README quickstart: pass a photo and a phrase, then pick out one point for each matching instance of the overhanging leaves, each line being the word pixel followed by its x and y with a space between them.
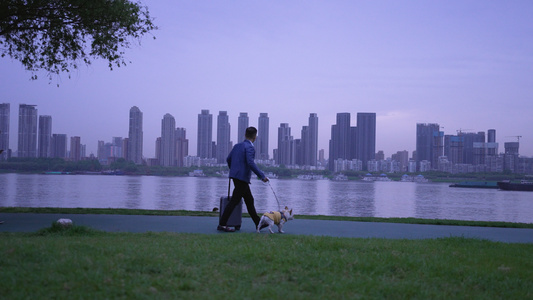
pixel 58 35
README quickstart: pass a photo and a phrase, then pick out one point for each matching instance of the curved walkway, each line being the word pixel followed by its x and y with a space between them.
pixel 29 222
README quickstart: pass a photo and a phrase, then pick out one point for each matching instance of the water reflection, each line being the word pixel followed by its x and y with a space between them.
pixel 165 194
pixel 206 195
pixel 352 199
pixel 427 201
pixel 320 197
pixel 25 191
pixel 133 188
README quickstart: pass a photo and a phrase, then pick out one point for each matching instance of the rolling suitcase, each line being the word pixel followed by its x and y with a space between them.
pixel 235 219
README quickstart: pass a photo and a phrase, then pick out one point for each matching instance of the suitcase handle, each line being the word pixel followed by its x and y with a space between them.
pixel 229 185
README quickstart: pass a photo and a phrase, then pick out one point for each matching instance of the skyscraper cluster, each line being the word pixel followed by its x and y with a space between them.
pixel 35 137
pixel 465 152
pixel 350 147
pixel 302 151
pixel 219 150
pixel 349 143
pixel 173 145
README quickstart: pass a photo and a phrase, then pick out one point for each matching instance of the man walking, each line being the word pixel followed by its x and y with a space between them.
pixel 241 164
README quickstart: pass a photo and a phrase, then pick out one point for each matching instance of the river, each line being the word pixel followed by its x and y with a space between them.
pixel 309 197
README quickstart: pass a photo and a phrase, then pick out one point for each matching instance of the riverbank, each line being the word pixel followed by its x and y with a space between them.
pixel 145 212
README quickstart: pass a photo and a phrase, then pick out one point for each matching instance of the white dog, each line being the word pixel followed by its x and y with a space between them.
pixel 275 217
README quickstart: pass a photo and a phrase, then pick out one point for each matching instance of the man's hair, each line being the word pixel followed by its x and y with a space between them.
pixel 251 132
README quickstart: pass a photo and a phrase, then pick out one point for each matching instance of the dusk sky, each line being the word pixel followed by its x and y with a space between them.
pixel 466 65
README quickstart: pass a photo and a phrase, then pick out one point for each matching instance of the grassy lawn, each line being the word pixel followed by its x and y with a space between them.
pixel 79 262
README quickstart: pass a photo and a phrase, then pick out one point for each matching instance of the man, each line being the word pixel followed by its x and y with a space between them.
pixel 241 164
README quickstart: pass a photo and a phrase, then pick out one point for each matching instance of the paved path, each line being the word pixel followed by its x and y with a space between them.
pixel 29 222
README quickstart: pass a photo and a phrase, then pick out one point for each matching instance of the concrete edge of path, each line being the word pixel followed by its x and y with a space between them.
pixel 30 222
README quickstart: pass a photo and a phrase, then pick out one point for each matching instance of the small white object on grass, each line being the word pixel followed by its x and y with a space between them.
pixel 65 222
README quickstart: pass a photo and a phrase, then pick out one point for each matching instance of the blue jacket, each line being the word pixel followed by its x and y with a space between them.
pixel 241 162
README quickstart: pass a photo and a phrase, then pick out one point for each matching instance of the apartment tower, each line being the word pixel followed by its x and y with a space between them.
pixel 311 144
pixel 223 137
pixel 366 138
pixel 27 133
pixel 429 144
pixel 45 136
pixel 261 143
pixel 4 130
pixel 135 136
pixel 167 156
pixel 205 135
pixel 243 122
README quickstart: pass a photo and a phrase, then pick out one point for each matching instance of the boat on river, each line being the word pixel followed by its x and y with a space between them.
pixel 523 185
pixel 371 178
pixel 417 178
pixel 476 184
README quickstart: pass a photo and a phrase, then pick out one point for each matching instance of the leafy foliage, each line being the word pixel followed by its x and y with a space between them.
pixel 58 35
pixel 24 164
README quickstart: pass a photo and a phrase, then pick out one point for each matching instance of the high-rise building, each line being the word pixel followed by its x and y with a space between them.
pixel 205 135
pixel 402 157
pixel 158 149
pixel 223 137
pixel 470 139
pixel 366 138
pixel 285 143
pixel 321 156
pixel 100 152
pixel 59 145
pixel 168 141
pixel 4 130
pixel 45 136
pixel 429 144
pixel 117 144
pixel 312 142
pixel 511 156
pixel 453 148
pixel 125 147
pixel 492 146
pixel 75 148
pixel 339 144
pixel 261 143
pixel 182 146
pixel 27 133
pixel 135 136
pixel 301 148
pixel 242 125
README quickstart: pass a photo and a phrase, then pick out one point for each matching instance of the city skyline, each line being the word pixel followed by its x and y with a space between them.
pixel 465 65
pixel 171 131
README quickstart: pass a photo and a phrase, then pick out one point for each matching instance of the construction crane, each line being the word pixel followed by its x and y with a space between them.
pixel 516 136
pixel 460 130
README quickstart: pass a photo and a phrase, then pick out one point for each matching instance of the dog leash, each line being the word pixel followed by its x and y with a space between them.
pixel 279 206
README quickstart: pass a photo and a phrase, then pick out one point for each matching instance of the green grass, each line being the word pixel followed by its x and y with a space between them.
pixel 78 262
pixel 123 211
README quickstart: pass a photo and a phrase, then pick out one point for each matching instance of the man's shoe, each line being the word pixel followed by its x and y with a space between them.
pixel 225 228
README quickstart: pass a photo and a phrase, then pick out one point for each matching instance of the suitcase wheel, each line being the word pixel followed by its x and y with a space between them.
pixel 238 227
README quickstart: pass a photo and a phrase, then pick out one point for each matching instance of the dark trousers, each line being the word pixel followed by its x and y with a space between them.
pixel 241 190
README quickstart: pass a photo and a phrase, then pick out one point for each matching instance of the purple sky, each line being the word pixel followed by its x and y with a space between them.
pixel 463 64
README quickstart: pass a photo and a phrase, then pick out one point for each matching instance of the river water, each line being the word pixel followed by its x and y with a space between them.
pixel 309 197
